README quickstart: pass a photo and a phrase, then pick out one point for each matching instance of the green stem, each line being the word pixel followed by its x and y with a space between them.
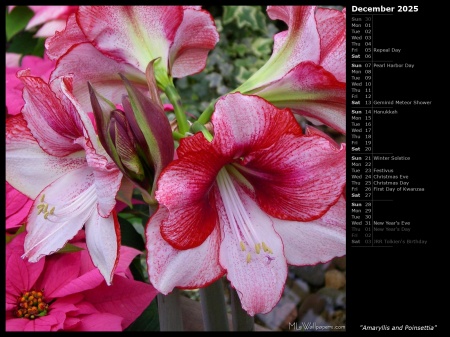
pixel 212 299
pixel 197 127
pixel 169 311
pixel 206 115
pixel 177 135
pixel 175 99
pixel 241 320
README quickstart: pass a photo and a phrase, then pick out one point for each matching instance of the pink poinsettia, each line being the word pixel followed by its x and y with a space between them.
pixel 54 158
pixel 259 196
pixel 306 71
pixel 17 207
pixel 41 67
pixel 52 18
pixel 101 41
pixel 65 292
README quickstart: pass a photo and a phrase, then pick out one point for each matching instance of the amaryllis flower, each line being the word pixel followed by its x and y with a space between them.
pixel 53 157
pixel 306 71
pixel 52 18
pixel 101 41
pixel 65 292
pixel 259 196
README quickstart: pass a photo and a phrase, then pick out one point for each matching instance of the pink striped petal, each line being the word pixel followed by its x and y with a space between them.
pixel 88 64
pixel 146 32
pixel 259 282
pixel 331 25
pixel 192 214
pixel 300 43
pixel 50 28
pixel 298 178
pixel 73 200
pixel 169 268
pixel 311 91
pixel 44 14
pixel 103 242
pixel 29 169
pixel 58 44
pixel 243 124
pixel 195 37
pixel 54 126
pixel 318 241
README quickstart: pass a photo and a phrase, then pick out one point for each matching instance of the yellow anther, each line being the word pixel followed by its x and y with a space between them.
pixel 270 251
pixel 265 248
pixel 46 215
pixel 40 210
pixel 42 198
pixel 52 210
pixel 40 206
pixel 45 208
pixel 242 245
pixel 258 248
pixel 249 257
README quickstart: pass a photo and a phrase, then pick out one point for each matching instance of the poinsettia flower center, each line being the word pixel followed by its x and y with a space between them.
pixel 31 305
pixel 250 242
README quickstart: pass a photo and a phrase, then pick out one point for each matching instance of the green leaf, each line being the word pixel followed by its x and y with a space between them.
pixel 69 248
pixel 129 236
pixel 24 43
pixel 148 320
pixel 245 16
pixel 17 20
pixel 9 237
pixel 262 46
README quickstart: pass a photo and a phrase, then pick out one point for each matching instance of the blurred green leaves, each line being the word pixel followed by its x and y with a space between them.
pixel 17 39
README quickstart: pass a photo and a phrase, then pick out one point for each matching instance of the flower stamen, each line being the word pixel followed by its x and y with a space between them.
pixel 238 217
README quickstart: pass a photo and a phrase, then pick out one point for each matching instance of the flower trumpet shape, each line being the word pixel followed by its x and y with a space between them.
pixel 259 196
pixel 101 41
pixel 139 138
pixel 54 158
pixel 306 71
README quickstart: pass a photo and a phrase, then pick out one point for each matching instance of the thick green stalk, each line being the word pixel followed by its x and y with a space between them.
pixel 175 100
pixel 169 311
pixel 241 320
pixel 213 307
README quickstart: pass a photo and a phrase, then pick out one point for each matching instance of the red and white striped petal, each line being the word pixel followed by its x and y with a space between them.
pixel 195 37
pixel 243 124
pixel 318 241
pixel 258 278
pixel 298 178
pixel 331 25
pixel 58 44
pixel 169 268
pixel 144 33
pixel 103 242
pixel 302 42
pixel 59 212
pixel 311 91
pixel 53 126
pixel 86 63
pixel 28 168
